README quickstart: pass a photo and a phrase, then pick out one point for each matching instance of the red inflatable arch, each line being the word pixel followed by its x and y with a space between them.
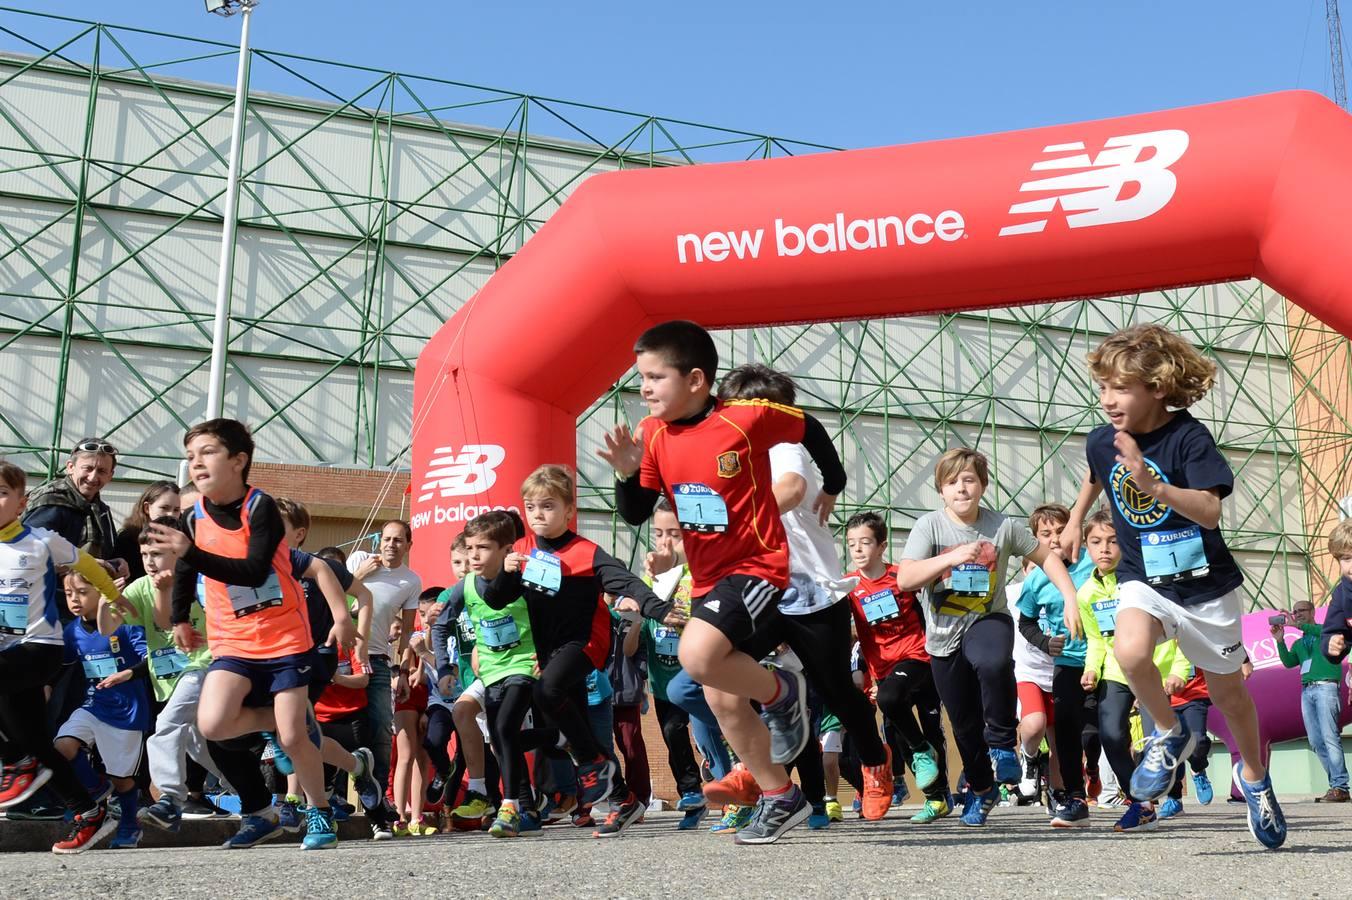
pixel 1253 187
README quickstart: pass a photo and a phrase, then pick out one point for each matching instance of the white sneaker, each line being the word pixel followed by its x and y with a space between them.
pixel 1028 783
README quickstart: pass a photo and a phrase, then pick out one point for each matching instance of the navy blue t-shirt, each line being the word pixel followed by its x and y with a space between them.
pixel 1180 559
pixel 321 619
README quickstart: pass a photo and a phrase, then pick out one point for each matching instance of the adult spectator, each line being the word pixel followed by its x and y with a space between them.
pixel 71 505
pixel 160 498
pixel 1319 703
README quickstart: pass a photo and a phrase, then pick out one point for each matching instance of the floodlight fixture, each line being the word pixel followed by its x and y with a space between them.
pixel 229 7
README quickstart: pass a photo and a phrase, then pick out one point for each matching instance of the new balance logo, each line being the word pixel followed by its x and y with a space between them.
pixel 1127 181
pixel 470 471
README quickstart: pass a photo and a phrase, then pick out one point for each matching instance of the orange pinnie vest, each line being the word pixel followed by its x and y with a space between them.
pixel 253 623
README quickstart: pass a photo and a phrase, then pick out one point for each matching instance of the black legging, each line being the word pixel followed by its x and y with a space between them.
pixel 1115 702
pixel 1194 714
pixel 911 684
pixel 440 727
pixel 1068 710
pixel 1089 738
pixel 811 773
pixel 561 695
pixel 237 759
pixel 507 703
pixel 350 733
pixel 976 685
pixel 675 724
pixel 25 669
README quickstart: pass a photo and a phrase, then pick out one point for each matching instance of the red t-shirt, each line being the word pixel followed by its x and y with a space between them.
pixel 338 702
pixel 1195 689
pixel 716 475
pixel 897 630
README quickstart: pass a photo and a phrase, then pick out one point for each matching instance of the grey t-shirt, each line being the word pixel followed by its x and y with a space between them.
pixel 973 590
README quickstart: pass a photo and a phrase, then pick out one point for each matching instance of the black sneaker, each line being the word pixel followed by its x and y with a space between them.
pixel 436 788
pixel 36 809
pixel 773 817
pixel 595 781
pixel 620 818
pixel 1072 812
pixel 787 718
pixel 202 808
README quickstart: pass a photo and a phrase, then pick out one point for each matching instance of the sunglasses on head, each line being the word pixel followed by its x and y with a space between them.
pixel 92 446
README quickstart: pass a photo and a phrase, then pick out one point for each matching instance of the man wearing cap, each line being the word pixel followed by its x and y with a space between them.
pixel 71 506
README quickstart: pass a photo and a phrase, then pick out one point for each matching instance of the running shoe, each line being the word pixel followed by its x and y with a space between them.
pixel 1266 822
pixel 932 810
pixel 254 830
pixel 422 828
pixel 321 832
pixel 401 829
pixel 818 819
pixel 341 811
pixel 128 836
pixel 899 793
pixel 738 787
pixel 37 808
pixel 925 767
pixel 734 818
pixel 274 752
pixel 979 806
pixel 620 817
pixel 691 800
pixel 469 815
pixel 381 831
pixel 288 813
pixel 1071 812
pixel 1201 786
pixel 1118 799
pixel 1028 782
pixel 596 780
pixel 1094 788
pixel 436 788
pixel 787 719
pixel 368 791
pixel 773 816
pixel 558 809
pixel 1169 808
pixel 507 824
pixel 1136 818
pixel 878 787
pixel 1161 755
pixel 85 831
pixel 1007 768
pixel 856 804
pixel 833 810
pixel 163 813
pixel 692 818
pixel 202 808
pixel 21 781
pixel 582 817
pixel 530 820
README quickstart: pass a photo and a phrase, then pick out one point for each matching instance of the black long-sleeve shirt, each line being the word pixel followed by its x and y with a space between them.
pixel 266 531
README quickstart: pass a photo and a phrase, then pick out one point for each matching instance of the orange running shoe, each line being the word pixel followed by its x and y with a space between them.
pixel 877 788
pixel 738 787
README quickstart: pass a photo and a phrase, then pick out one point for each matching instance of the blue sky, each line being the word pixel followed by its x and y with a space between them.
pixel 842 73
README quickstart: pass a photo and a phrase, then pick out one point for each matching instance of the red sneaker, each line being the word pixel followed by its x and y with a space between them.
pixel 21 781
pixel 85 831
pixel 738 788
pixel 878 784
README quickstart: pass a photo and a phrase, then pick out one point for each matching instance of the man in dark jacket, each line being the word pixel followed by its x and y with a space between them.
pixel 71 506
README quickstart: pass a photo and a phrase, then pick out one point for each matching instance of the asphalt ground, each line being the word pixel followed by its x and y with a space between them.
pixel 1207 852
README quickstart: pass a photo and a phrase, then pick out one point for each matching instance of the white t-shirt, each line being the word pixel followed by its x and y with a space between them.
pixel 392 591
pixel 1030 663
pixel 30 591
pixel 814 558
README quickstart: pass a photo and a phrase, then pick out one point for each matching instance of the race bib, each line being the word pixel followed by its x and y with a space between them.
pixel 880 606
pixel 344 667
pixel 700 508
pixel 167 662
pixel 1173 556
pixel 13 614
pixel 500 633
pixel 1105 616
pixel 666 643
pixel 544 572
pixel 247 600
pixel 100 665
pixel 972 579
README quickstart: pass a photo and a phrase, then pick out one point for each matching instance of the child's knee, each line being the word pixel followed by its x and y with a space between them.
pixel 68 747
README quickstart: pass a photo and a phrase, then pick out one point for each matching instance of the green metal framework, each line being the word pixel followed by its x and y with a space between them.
pixel 362 255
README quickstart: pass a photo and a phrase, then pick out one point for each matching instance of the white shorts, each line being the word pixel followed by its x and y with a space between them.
pixel 476 692
pixel 1209 634
pixel 833 742
pixel 119 747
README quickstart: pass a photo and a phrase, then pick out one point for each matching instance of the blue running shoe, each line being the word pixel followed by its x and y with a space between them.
pixel 899 792
pixel 857 804
pixel 368 791
pixel 163 813
pixel 253 830
pixel 817 819
pixel 1136 818
pixel 320 831
pixel 1007 768
pixel 1266 822
pixel 128 836
pixel 787 720
pixel 530 821
pixel 978 806
pixel 1170 808
pixel 692 819
pixel 288 813
pixel 1202 788
pixel 278 756
pixel 692 800
pixel 340 810
pixel 1161 756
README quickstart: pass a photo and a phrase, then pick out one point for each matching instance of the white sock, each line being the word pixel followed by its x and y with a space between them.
pixel 478 786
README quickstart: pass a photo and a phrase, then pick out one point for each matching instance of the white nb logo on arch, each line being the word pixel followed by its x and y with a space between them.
pixel 1093 196
pixel 470 471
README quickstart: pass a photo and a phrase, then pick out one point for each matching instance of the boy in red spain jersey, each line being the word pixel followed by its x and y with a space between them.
pixel 258 630
pixel 710 459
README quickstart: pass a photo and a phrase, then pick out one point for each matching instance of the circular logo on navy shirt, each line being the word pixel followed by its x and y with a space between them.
pixel 1136 506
